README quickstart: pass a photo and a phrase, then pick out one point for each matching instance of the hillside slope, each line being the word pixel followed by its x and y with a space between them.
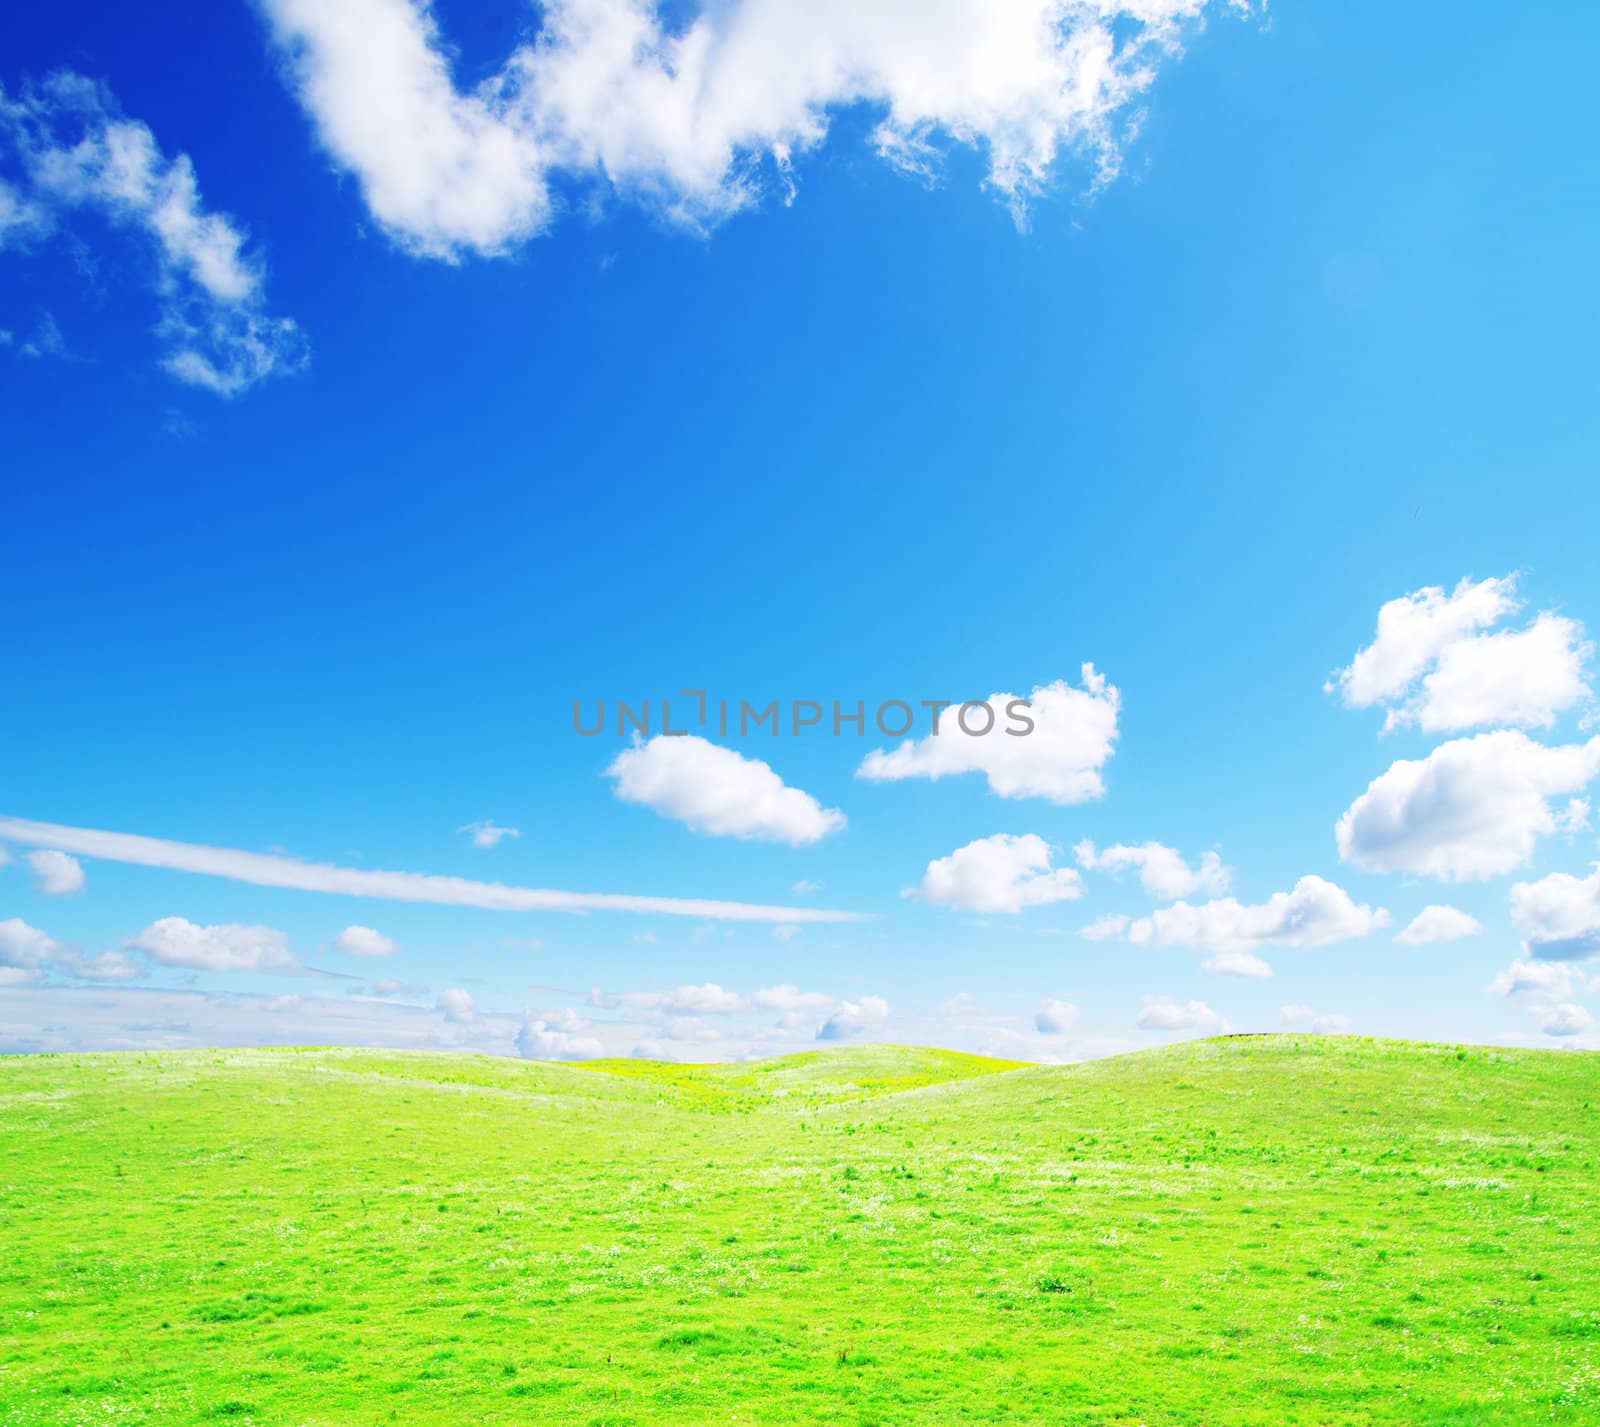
pixel 1280 1230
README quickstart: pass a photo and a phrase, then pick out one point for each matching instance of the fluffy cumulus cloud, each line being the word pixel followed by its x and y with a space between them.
pixel 1163 1013
pixel 457 1004
pixel 56 874
pixel 1437 923
pixel 364 941
pixel 697 112
pixel 854 1018
pixel 1438 663
pixel 1003 873
pixel 24 950
pixel 1473 808
pixel 1055 1018
pixel 1315 913
pixel 717 791
pixel 789 998
pixel 1566 1019
pixel 66 149
pixel 1541 980
pixel 709 999
pixel 558 1038
pixel 1163 872
pixel 1074 731
pixel 175 941
pixel 1558 916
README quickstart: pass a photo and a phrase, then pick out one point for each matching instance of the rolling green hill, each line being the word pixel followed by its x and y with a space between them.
pixel 1272 1230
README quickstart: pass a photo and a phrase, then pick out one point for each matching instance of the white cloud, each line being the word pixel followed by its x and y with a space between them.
pixel 1436 923
pixel 717 791
pixel 1334 1024
pixel 1163 1013
pixel 1315 913
pixel 1074 732
pixel 697 115
pixel 1525 678
pixel 79 153
pixel 804 887
pixel 854 1018
pixel 1236 963
pixel 1546 980
pixel 709 999
pixel 789 998
pixel 268 870
pixel 175 941
pixel 539 1039
pixel 457 1005
pixel 1558 916
pixel 24 948
pixel 1003 873
pixel 1106 928
pixel 1055 1018
pixel 486 834
pixel 364 941
pixel 1163 872
pixel 1567 1019
pixel 55 874
pixel 1296 1014
pixel 1574 818
pixel 1413 631
pixel 1473 808
pixel 785 931
pixel 1435 664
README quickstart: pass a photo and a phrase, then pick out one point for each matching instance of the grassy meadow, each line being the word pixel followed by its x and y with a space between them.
pixel 1273 1230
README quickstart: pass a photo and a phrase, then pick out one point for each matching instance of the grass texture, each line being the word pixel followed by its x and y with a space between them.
pixel 1275 1230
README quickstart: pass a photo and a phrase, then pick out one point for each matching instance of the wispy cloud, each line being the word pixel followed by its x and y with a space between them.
pixel 262 869
pixel 68 148
pixel 487 833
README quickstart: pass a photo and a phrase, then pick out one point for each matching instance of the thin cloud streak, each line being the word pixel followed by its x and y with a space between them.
pixel 266 870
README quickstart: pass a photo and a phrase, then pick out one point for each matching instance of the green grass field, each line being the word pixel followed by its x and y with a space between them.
pixel 1276 1230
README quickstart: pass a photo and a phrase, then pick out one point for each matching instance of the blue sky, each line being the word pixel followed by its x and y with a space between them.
pixel 334 480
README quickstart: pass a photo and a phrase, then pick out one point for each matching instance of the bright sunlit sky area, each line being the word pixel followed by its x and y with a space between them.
pixel 388 391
